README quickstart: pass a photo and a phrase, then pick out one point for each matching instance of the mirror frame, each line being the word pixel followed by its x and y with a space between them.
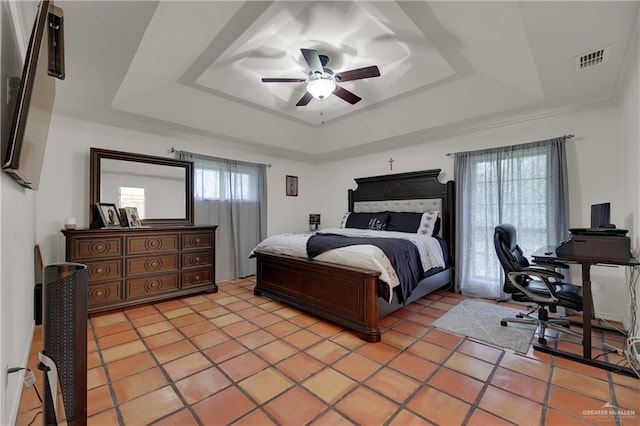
pixel 98 154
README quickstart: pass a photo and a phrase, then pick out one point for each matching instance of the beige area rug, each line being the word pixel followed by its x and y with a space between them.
pixel 481 321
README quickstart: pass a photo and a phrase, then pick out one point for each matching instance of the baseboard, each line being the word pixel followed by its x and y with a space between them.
pixel 610 317
pixel 13 411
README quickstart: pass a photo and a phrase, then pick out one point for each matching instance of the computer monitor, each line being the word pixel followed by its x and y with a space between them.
pixel 600 215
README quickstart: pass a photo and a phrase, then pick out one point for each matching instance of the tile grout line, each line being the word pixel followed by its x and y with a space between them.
pixel 547 394
pixel 164 372
pixel 103 365
pixel 349 350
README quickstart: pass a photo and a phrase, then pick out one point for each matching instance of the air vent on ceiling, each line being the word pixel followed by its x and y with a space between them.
pixel 591 59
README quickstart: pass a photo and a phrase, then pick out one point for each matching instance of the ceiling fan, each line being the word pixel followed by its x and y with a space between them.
pixel 322 81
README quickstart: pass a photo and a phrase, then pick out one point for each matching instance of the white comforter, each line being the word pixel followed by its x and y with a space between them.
pixel 359 256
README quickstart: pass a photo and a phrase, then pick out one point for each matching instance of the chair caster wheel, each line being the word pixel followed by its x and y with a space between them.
pixel 503 323
pixel 542 340
pixel 519 316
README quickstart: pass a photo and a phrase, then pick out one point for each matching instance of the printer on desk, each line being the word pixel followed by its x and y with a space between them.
pixel 599 244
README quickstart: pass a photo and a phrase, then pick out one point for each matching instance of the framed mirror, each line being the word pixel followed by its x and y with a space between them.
pixel 160 188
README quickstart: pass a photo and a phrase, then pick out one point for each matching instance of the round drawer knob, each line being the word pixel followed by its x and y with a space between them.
pixel 99 293
pixel 197 278
pixel 99 270
pixel 153 244
pixel 100 247
pixel 197 240
pixel 197 259
pixel 152 286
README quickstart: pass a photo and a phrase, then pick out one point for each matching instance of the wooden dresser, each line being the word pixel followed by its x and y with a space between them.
pixel 129 266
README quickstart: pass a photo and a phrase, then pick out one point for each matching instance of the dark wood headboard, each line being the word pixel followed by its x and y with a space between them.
pixel 411 186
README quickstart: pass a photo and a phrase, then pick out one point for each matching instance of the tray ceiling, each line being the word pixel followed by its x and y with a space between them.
pixel 194 68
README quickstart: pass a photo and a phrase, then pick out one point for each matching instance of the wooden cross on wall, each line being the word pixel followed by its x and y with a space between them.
pixel 391 160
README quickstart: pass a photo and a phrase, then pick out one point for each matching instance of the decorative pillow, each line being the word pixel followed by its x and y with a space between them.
pixel 343 222
pixel 378 223
pixel 404 222
pixel 362 220
pixel 428 223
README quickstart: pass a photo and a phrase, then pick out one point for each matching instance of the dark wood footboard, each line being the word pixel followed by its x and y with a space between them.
pixel 344 295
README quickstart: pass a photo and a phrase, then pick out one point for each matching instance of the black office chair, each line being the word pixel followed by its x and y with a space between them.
pixel 539 284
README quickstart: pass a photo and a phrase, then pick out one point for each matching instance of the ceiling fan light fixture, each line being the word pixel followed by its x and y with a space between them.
pixel 321 88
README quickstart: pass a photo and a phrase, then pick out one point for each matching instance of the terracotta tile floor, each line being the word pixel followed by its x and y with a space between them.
pixel 235 358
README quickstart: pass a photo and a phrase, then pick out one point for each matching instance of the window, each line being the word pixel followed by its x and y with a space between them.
pixel 518 197
pixel 212 184
pixel 232 195
pixel 524 185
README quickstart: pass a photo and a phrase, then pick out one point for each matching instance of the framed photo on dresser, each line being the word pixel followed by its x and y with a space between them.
pixel 109 215
pixel 131 217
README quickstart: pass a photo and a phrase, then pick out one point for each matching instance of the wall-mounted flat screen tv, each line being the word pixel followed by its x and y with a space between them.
pixel 31 97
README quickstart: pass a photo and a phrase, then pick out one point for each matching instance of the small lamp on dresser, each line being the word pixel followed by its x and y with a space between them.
pixel 314 222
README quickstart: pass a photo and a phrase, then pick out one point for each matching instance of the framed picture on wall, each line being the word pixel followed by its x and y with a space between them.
pixel 292 186
pixel 109 215
pixel 130 217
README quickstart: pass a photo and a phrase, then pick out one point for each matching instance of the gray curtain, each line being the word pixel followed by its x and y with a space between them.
pixel 233 195
pixel 525 185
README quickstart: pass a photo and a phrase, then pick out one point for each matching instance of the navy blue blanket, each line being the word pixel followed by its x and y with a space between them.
pixel 402 254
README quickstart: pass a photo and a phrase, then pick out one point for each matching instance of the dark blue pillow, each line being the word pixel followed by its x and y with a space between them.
pixel 377 221
pixel 404 222
pixel 408 222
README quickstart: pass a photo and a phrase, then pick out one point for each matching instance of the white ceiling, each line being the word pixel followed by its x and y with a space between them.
pixel 194 68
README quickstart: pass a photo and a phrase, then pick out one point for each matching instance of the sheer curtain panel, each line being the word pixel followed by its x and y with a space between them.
pixel 232 195
pixel 524 185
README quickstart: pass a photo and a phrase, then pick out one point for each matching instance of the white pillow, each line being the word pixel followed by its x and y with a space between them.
pixel 343 223
pixel 428 223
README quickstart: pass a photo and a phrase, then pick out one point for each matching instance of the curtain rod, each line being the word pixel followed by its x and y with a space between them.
pixel 177 152
pixel 449 154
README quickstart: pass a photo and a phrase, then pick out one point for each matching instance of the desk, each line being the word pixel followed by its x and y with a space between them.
pixel 548 254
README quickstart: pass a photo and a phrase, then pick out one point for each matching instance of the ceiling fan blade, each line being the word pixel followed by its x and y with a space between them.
pixel 305 99
pixel 357 74
pixel 283 80
pixel 343 93
pixel 313 59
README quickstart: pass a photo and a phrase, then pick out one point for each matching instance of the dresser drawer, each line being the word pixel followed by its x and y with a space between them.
pixel 104 269
pixel 196 277
pixel 152 244
pixel 151 285
pixel 104 293
pixel 196 258
pixel 96 248
pixel 193 240
pixel 144 265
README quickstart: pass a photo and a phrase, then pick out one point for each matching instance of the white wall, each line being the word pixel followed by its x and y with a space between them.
pixel 17 226
pixel 630 128
pixel 64 187
pixel 594 160
pixel 16 289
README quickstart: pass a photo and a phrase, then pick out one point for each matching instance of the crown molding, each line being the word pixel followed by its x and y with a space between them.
pixel 162 128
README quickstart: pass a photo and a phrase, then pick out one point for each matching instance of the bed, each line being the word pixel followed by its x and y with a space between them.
pixel 350 296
